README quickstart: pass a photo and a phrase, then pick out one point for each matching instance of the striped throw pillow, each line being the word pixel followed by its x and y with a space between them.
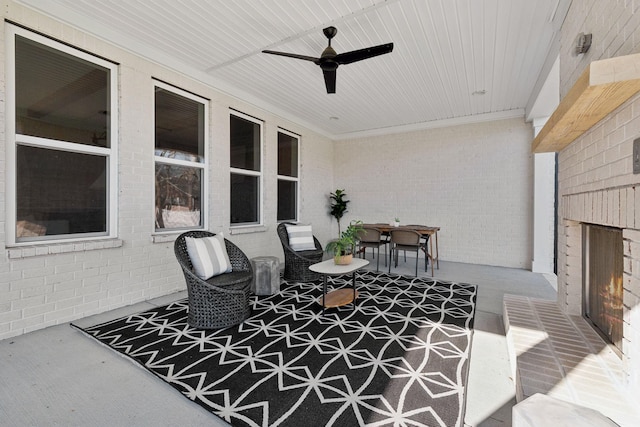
pixel 300 237
pixel 208 256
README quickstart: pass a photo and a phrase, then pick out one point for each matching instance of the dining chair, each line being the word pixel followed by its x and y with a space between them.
pixel 425 246
pixel 404 240
pixel 370 237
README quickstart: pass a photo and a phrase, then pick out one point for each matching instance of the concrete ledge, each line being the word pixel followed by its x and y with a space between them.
pixel 563 357
pixel 541 410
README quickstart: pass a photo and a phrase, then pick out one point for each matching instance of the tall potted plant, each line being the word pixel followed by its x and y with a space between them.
pixel 344 248
pixel 338 206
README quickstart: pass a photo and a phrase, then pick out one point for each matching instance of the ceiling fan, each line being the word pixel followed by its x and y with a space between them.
pixel 329 60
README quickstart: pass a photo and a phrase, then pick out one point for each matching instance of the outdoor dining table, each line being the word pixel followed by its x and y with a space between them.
pixel 423 230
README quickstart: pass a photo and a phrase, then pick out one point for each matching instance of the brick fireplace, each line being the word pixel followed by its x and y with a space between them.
pixel 592 129
pixel 597 186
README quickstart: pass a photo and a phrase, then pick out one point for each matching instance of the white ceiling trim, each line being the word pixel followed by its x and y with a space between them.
pixel 456 121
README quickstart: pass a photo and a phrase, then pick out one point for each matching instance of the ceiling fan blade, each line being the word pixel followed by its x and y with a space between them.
pixel 293 55
pixel 330 80
pixel 359 55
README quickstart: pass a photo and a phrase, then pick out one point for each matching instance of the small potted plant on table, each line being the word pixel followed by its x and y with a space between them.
pixel 344 248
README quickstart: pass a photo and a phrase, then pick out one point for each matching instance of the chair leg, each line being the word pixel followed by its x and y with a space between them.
pixel 426 254
pixel 377 260
pixel 424 249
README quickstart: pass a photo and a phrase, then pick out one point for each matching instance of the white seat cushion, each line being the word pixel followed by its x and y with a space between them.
pixel 300 237
pixel 208 256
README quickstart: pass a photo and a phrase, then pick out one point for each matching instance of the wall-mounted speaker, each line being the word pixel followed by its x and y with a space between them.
pixel 583 43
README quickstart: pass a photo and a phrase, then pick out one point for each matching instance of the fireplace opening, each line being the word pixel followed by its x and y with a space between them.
pixel 602 296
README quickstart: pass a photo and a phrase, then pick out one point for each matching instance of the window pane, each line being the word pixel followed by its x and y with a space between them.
pixel 244 199
pixel 53 203
pixel 179 127
pixel 287 155
pixel 59 96
pixel 178 196
pixel 245 144
pixel 287 200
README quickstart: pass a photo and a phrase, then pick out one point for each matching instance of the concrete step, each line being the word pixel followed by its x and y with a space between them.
pixel 563 357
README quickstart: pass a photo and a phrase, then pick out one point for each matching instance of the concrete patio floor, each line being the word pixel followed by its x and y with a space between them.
pixel 59 377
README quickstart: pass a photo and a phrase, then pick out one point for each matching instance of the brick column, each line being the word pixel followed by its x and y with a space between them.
pixel 631 310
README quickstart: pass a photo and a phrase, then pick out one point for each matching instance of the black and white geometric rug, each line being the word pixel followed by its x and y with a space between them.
pixel 400 358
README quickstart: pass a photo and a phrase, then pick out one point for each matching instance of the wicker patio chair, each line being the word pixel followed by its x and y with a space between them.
pixel 296 263
pixel 222 300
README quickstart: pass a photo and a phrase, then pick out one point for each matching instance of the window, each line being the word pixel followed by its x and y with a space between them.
pixel 62 134
pixel 246 169
pixel 180 141
pixel 287 176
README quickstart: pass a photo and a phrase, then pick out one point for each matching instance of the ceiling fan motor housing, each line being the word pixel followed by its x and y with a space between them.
pixel 327 59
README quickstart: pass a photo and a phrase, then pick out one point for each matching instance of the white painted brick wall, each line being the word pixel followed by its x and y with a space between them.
pixel 474 181
pixel 596 183
pixel 615 26
pixel 51 284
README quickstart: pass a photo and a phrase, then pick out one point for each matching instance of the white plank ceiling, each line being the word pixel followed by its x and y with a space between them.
pixel 453 60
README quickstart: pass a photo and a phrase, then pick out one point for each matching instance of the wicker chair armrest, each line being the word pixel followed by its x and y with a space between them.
pixel 239 260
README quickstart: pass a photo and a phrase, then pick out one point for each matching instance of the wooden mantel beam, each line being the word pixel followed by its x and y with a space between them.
pixel 603 86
